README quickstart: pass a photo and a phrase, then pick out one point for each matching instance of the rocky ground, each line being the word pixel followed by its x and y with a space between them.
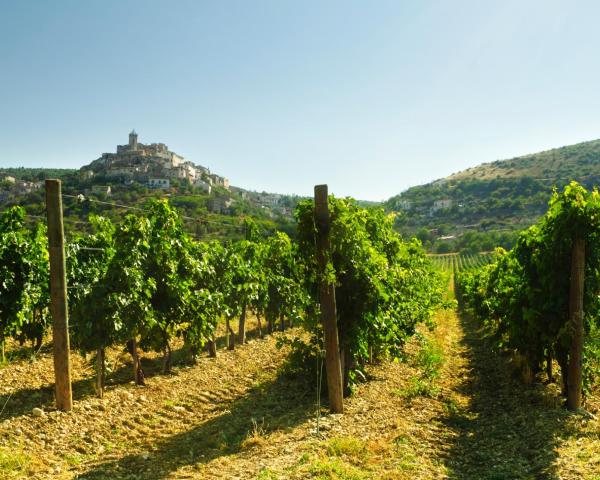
pixel 453 409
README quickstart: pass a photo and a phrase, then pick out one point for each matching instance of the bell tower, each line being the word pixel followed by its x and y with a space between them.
pixel 133 140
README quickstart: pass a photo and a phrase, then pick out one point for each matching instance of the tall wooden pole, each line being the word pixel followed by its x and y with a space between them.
pixel 58 296
pixel 574 377
pixel 327 301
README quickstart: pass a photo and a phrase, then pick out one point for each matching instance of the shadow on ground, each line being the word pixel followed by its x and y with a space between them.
pixel 510 430
pixel 21 402
pixel 276 405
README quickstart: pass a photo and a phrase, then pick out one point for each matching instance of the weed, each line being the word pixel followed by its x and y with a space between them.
pixel 327 469
pixel 350 448
pixel 256 436
pixel 267 474
pixel 450 406
pixel 430 359
pixel 419 387
pixel 73 459
pixel 13 464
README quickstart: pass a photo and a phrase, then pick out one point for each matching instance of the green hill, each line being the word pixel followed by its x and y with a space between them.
pixel 218 215
pixel 484 206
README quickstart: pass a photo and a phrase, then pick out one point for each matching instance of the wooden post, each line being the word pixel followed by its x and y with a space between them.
pixel 100 372
pixel 198 232
pixel 242 326
pixel 327 302
pixel 138 372
pixel 574 377
pixel 58 296
pixel 259 324
pixel 212 347
pixel 229 335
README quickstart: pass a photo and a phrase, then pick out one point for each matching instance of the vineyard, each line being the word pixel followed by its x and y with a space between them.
pixel 193 358
pixel 541 298
pixel 144 282
pixel 456 262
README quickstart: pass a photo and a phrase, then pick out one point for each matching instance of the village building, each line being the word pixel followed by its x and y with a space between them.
pixel 23 187
pixel 218 180
pixel 86 174
pixel 7 179
pixel 404 204
pixel 441 205
pixel 158 183
pixel 269 199
pixel 202 185
pixel 244 194
pixel 141 162
pixel 219 204
pixel 101 190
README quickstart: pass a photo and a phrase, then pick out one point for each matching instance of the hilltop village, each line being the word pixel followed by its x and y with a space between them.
pixel 136 167
pixel 154 165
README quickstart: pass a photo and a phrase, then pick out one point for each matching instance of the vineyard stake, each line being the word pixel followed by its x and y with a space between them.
pixel 327 301
pixel 574 377
pixel 100 372
pixel 58 296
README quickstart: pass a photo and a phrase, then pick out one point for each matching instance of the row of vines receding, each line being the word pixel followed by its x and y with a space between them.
pixel 144 282
pixel 522 298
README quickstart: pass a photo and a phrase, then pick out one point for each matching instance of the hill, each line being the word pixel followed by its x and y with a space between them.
pixel 216 214
pixel 126 179
pixel 482 207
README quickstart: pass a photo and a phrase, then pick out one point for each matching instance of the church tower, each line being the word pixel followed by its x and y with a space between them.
pixel 133 140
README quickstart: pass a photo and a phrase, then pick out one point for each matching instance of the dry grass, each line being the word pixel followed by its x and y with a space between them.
pixel 256 436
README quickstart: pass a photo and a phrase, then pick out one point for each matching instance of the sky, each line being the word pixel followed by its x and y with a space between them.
pixel 370 97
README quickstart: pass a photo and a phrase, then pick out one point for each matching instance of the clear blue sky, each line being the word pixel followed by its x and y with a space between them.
pixel 369 96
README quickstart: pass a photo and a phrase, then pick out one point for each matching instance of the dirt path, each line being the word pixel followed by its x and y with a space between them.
pixel 240 416
pixel 507 430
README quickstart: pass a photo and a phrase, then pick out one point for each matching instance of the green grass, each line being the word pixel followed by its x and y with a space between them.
pixel 350 448
pixel 429 359
pixel 13 463
pixel 335 469
pixel 267 474
pixel 418 387
pixel 74 459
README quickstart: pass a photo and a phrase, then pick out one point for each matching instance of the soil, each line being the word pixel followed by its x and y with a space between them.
pixel 243 415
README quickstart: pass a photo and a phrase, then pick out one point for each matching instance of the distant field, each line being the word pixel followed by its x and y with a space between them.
pixel 456 262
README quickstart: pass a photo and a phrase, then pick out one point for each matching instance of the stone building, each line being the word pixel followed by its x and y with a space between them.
pixel 140 162
pixel 403 204
pixel 7 178
pixel 135 157
pixel 219 204
pixel 101 190
pixel 163 183
pixel 202 185
pixel 218 180
pixel 440 205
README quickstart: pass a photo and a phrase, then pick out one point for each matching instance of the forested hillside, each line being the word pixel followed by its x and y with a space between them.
pixel 482 207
